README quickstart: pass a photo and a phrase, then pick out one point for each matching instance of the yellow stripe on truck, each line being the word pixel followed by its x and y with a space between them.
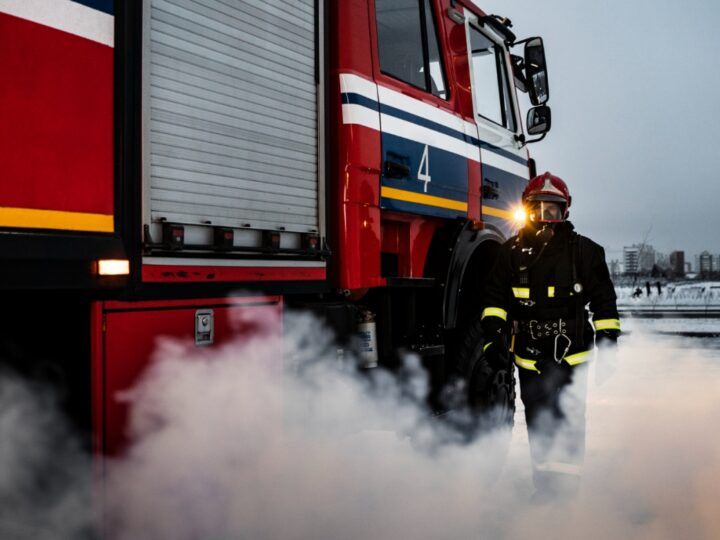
pixel 496 212
pixel 440 202
pixel 421 198
pixel 31 218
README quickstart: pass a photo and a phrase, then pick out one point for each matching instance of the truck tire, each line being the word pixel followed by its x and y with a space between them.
pixel 488 392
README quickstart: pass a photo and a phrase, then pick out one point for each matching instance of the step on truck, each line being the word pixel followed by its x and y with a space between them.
pixel 360 159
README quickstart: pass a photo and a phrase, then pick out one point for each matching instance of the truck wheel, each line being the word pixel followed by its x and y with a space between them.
pixel 489 393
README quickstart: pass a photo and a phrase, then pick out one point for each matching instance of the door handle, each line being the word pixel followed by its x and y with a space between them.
pixel 394 169
pixel 490 190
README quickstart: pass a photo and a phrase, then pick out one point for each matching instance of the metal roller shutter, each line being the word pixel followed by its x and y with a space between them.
pixel 231 114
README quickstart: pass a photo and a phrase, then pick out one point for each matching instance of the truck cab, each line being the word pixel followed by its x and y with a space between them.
pixel 430 164
pixel 429 130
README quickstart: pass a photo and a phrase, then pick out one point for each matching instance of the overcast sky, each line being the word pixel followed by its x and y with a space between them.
pixel 634 92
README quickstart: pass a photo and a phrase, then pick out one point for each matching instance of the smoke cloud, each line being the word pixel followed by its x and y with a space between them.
pixel 243 444
pixel 46 488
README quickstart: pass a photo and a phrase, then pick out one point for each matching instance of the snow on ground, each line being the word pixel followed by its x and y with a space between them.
pixel 685 298
pixel 674 295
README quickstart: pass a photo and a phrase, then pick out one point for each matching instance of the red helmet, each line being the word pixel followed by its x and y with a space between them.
pixel 548 188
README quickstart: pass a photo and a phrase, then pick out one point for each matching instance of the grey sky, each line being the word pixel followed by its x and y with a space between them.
pixel 632 90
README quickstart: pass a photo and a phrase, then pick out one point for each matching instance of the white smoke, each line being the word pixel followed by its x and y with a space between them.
pixel 284 440
pixel 45 477
pixel 654 455
pixel 233 447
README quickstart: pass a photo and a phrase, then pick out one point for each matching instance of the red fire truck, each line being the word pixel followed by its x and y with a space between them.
pixel 359 159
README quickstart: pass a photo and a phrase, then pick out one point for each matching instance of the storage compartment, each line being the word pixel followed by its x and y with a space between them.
pixel 230 122
pixel 125 336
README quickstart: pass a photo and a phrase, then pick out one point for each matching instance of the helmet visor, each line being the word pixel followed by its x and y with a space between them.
pixel 545 211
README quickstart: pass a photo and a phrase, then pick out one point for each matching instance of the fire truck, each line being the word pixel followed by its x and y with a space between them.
pixel 169 167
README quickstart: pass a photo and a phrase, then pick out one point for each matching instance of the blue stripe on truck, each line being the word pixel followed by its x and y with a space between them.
pixel 106 6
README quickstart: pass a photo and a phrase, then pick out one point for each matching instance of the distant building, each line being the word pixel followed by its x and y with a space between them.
pixel 639 258
pixel 647 258
pixel 705 263
pixel 662 263
pixel 677 263
pixel 614 267
pixel 631 259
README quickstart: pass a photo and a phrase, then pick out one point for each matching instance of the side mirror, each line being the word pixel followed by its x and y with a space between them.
pixel 536 71
pixel 538 120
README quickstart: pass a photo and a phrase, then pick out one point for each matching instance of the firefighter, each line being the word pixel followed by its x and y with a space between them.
pixel 536 300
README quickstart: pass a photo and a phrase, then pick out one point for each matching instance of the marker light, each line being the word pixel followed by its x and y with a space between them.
pixel 113 267
pixel 173 236
pixel 520 216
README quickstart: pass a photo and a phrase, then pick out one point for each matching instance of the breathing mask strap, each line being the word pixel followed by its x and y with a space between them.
pixel 577 289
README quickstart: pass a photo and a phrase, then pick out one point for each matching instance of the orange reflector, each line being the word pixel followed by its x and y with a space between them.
pixel 114 267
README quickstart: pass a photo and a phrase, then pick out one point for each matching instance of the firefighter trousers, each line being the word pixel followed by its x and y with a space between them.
pixel 554 401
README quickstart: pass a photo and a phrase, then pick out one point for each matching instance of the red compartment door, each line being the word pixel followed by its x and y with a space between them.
pixel 125 336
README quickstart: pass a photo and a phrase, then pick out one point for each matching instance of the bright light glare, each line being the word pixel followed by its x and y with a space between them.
pixel 114 267
pixel 520 216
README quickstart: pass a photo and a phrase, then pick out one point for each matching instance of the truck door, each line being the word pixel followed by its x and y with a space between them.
pixel 504 161
pixel 127 338
pixel 424 149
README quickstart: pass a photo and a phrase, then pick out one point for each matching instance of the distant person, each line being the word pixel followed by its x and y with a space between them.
pixel 637 293
pixel 537 290
pixel 659 288
pixel 647 287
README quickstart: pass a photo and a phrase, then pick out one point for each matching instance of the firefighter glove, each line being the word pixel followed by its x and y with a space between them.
pixel 606 339
pixel 496 353
pixel 492 328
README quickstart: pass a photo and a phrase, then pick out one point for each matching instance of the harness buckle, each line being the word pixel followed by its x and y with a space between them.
pixel 560 358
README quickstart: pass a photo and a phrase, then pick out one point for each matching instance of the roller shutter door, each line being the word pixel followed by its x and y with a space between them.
pixel 231 113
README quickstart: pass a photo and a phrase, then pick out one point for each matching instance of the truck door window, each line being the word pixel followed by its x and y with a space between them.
pixel 490 81
pixel 408 44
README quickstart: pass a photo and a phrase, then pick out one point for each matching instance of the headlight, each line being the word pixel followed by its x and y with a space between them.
pixel 520 216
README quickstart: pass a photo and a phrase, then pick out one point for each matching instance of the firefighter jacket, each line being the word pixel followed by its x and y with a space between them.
pixel 541 290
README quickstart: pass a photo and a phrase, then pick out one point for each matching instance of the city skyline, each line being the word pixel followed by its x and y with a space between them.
pixel 643 258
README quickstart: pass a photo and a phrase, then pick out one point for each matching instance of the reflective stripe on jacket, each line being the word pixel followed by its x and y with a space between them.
pixel 572 359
